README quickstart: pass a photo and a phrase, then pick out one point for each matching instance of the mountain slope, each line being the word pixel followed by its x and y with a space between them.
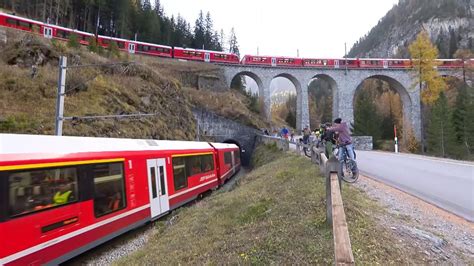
pixel 449 23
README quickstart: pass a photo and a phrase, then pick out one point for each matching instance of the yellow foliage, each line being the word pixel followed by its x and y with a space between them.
pixel 411 144
pixel 423 54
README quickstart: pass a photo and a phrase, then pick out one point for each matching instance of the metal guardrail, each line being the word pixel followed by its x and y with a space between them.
pixel 335 214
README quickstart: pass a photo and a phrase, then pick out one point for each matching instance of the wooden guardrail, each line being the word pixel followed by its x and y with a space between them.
pixel 335 214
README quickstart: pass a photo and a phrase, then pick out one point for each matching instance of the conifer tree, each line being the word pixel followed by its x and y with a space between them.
pixel 366 119
pixel 233 44
pixel 199 31
pixel 440 131
pixel 463 119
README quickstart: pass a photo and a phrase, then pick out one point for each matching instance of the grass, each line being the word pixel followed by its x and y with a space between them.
pixel 276 215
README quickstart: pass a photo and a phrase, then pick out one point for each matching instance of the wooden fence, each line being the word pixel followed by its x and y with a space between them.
pixel 335 214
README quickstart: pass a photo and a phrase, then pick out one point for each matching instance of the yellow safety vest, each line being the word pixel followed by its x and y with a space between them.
pixel 61 198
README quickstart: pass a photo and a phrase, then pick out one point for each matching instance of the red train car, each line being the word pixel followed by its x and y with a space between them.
pixel 399 63
pixel 46 30
pixel 450 63
pixel 205 55
pixel 60 196
pixel 153 49
pixel 272 61
pixel 331 63
pixel 228 160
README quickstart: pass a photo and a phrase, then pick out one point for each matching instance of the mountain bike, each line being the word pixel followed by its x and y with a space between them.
pixel 349 171
pixel 307 150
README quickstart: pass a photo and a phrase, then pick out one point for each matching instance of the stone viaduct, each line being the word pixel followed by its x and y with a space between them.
pixel 344 84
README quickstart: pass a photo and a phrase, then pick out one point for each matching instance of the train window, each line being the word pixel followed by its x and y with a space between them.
pixel 152 48
pixel 153 182
pixel 62 34
pixel 40 189
pixel 24 24
pixel 145 48
pixel 121 45
pixel 162 181
pixel 193 165
pixel 227 157
pixel 109 189
pixel 179 173
pixel 237 157
pixel 105 41
pixel 207 163
pixel 12 21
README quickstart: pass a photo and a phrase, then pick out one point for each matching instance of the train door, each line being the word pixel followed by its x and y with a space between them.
pixel 48 32
pixel 157 185
pixel 207 57
pixel 274 61
pixel 131 48
pixel 385 63
pixel 336 63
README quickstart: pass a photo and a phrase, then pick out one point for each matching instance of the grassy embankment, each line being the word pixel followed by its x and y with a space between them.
pixel 154 85
pixel 276 214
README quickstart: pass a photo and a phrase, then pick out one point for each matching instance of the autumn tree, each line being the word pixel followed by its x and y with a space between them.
pixel 423 54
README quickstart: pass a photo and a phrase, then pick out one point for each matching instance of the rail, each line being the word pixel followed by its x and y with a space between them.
pixel 335 214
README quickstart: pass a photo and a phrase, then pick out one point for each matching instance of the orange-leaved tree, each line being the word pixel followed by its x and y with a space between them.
pixel 423 54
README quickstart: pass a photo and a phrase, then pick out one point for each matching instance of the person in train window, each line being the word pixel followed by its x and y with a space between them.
pixel 63 195
pixel 115 201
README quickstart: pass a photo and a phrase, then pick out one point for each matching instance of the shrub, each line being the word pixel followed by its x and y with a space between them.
pixel 73 41
pixel 95 47
pixel 411 143
pixel 113 50
pixel 58 45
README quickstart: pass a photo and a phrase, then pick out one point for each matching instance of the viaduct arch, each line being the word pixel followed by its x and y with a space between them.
pixel 344 83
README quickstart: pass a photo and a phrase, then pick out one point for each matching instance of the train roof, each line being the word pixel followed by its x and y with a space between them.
pixel 224 145
pixel 204 51
pixel 273 56
pixel 47 144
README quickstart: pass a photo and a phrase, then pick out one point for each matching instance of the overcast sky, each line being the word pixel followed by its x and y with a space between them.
pixel 318 28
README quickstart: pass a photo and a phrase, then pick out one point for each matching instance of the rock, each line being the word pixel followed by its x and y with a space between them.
pixel 435 250
pixel 3 36
pixel 423 235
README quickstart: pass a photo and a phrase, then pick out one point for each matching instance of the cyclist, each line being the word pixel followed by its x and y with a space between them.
pixel 344 143
pixel 306 133
pixel 328 138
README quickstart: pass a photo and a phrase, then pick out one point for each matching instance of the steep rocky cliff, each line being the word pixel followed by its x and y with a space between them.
pixel 449 23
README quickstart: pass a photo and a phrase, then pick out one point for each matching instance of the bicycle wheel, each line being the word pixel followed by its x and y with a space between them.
pixel 307 152
pixel 347 174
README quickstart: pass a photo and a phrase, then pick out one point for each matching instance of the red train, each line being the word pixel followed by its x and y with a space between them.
pixel 60 196
pixel 350 63
pixel 135 47
pixel 130 46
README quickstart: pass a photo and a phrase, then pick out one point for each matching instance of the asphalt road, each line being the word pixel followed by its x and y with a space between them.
pixel 448 184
